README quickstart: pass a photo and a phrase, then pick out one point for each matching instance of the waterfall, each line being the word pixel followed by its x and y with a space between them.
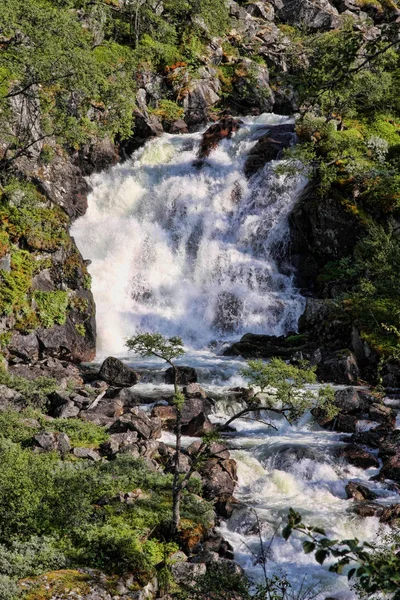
pixel 190 251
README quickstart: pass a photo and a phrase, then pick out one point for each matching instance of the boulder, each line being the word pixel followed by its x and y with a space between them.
pixel 254 345
pixel 217 132
pixel 348 400
pixel 114 372
pixel 67 411
pixel 382 414
pixel 391 468
pixel 25 347
pixel 185 375
pixel 65 372
pixel 359 491
pixel 198 426
pixel 194 406
pixel 219 478
pixel 119 442
pixel 359 457
pixel 185 573
pixel 10 398
pixel 340 367
pixel 136 420
pixel 315 15
pixel 50 441
pixel 368 509
pixel 391 515
pixel 166 414
pixel 269 147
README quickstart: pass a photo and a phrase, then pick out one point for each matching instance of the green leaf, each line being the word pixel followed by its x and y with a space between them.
pixel 308 547
pixel 321 556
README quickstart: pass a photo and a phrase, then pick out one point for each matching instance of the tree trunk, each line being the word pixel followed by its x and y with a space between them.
pixel 177 487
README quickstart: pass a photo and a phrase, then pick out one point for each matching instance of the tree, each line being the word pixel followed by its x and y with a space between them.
pixel 168 349
pixel 280 390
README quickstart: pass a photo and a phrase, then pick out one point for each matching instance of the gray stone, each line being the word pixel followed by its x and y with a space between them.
pixel 114 371
pixel 67 411
pixel 87 453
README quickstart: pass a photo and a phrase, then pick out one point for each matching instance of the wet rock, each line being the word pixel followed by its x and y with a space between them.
pixel 114 372
pixel 219 478
pixel 217 132
pixel 214 450
pixel 391 374
pixel 359 491
pixel 198 426
pixel 265 346
pixel 391 468
pixel 137 420
pixel 178 127
pixel 359 457
pixel 269 147
pixel 224 507
pixel 193 390
pixel 368 509
pixel 185 375
pixel 391 515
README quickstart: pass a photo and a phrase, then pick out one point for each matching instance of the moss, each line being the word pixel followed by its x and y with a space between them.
pixel 57 583
pixel 51 307
pixel 4 243
pixel 296 340
pixel 26 216
pixel 81 329
pixel 16 283
pixel 33 391
pixel 168 111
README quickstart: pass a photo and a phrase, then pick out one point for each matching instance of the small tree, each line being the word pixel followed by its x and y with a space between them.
pixel 279 390
pixel 168 349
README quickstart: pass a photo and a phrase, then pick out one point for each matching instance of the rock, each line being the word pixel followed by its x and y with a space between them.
pixel 214 450
pixel 110 407
pixel 49 441
pixel 269 147
pixel 87 453
pixel 193 390
pixel 359 491
pixel 359 457
pixel 201 95
pixel 382 414
pixel 24 346
pixel 391 374
pixel 368 509
pixel 219 478
pixel 198 426
pixel 185 375
pixel 185 573
pixel 183 466
pixel 315 15
pixel 178 127
pixel 10 398
pixel 340 367
pixel 391 468
pixel 215 133
pixel 67 411
pixel 114 372
pixel 265 346
pixel 391 515
pixel 347 400
pixel 137 420
pixel 194 406
pixel 65 373
pixel 166 414
pixel 224 507
pixel 65 342
pixel 119 442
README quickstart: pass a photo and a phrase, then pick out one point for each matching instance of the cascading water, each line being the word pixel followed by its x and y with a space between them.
pixel 188 251
pixel 192 252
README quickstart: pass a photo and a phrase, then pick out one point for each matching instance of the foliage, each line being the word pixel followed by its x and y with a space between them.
pixel 155 344
pixel 51 307
pixel 282 387
pixel 33 391
pixel 168 111
pixel 376 568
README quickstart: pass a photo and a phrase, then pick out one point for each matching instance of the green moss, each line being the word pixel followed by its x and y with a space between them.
pixel 33 391
pixel 25 215
pixel 81 329
pixel 51 307
pixel 81 433
pixel 168 111
pixel 296 340
pixel 16 283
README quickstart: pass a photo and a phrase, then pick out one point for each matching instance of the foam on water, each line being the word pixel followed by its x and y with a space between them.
pixel 188 251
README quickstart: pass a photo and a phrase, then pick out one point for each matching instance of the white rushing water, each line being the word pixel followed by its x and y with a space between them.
pixel 193 252
pixel 188 251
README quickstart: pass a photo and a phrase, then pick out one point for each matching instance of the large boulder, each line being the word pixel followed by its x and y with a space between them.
pixel 114 371
pixel 217 132
pixel 198 426
pixel 339 367
pixel 359 457
pixel 391 468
